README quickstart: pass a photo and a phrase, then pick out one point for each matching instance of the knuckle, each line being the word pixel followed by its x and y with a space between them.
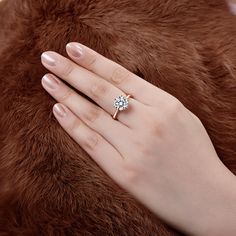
pixel 159 129
pixel 73 126
pixel 131 174
pixel 66 95
pixel 143 146
pixel 155 126
pixel 92 61
pixel 91 141
pixel 120 74
pixel 174 106
pixel 99 89
pixel 93 114
pixel 67 69
pixel 145 151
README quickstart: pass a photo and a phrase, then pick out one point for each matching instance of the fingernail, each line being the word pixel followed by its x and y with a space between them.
pixel 232 7
pixel 48 58
pixel 74 49
pixel 50 81
pixel 59 110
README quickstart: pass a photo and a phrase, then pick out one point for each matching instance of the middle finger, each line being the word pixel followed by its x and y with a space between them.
pixel 98 89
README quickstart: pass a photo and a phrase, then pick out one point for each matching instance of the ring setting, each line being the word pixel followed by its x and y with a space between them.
pixel 121 103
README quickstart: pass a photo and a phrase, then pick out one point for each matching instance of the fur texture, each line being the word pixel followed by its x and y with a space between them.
pixel 48 184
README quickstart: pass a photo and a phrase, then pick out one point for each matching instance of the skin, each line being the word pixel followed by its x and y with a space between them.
pixel 157 149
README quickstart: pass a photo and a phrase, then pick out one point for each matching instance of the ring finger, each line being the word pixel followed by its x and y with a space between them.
pixel 98 89
pixel 89 113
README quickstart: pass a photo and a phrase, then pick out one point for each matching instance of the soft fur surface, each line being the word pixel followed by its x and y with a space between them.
pixel 48 184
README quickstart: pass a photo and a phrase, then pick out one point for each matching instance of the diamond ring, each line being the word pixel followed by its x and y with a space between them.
pixel 121 103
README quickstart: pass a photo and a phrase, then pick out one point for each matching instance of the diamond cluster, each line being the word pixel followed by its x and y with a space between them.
pixel 121 103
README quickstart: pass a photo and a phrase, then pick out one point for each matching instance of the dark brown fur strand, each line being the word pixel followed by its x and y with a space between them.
pixel 48 184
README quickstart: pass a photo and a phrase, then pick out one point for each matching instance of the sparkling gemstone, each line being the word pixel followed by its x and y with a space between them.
pixel 121 103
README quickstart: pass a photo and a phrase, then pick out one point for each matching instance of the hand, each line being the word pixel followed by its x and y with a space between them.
pixel 156 149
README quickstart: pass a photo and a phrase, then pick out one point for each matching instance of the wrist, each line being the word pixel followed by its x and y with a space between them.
pixel 218 213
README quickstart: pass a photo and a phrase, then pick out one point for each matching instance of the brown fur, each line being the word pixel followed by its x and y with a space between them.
pixel 48 184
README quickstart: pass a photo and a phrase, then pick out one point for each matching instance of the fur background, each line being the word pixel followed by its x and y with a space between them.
pixel 48 184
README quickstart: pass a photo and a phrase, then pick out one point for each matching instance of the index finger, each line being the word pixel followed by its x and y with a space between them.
pixel 114 73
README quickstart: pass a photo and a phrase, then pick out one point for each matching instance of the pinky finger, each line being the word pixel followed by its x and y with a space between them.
pixel 100 150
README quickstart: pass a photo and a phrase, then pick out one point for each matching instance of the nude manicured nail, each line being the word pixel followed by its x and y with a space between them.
pixel 232 7
pixel 74 49
pixel 59 110
pixel 50 81
pixel 48 58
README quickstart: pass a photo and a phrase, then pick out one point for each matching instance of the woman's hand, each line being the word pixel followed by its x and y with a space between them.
pixel 156 149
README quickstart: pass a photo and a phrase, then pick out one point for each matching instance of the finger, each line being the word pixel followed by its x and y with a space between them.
pixel 99 90
pixel 92 115
pixel 114 73
pixel 101 151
